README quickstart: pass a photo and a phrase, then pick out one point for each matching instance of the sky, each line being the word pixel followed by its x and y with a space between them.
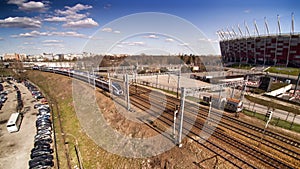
pixel 71 26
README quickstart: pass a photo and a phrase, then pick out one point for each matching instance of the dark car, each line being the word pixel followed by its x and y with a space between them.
pixel 42 146
pixel 41 143
pixel 42 149
pixel 39 153
pixel 43 157
pixel 42 163
pixel 44 132
pixel 49 140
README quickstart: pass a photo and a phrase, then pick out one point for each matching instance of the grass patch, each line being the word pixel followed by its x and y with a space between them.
pixel 258 91
pixel 192 98
pixel 275 86
pixel 6 72
pixel 274 121
pixel 272 104
pixel 241 66
pixel 284 70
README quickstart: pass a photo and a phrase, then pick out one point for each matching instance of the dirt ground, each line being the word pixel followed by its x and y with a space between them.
pixel 15 147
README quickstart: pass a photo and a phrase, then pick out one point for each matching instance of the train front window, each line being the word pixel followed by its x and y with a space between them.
pixel 116 85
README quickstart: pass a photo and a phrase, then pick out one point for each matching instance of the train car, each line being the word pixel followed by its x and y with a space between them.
pixel 234 105
pixel 89 78
pixel 215 101
pixel 230 104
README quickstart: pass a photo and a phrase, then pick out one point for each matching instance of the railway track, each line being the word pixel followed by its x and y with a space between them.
pixel 267 159
pixel 204 111
pixel 166 119
pixel 141 99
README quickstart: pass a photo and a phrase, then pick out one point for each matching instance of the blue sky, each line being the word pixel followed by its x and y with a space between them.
pixel 65 26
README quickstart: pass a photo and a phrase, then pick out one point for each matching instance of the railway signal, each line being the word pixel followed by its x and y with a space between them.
pixel 269 114
pixel 269 117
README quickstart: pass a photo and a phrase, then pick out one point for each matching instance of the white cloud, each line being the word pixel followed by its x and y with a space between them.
pixel 184 44
pixel 56 19
pixel 20 22
pixel 85 23
pixel 106 30
pixel 169 40
pixel 78 7
pixel 208 40
pixel 70 34
pixel 138 43
pixel 33 34
pixel 37 33
pixel 52 41
pixel 53 45
pixel 31 6
pixel 107 6
pixel 247 11
pixel 71 13
pixel 16 2
pixel 151 36
pixel 1 38
pixel 28 43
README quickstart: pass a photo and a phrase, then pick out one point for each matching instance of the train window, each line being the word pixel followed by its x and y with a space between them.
pixel 116 85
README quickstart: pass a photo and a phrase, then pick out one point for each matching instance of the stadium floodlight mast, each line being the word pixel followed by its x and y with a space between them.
pixel 241 33
pixel 247 28
pixel 293 28
pixel 229 33
pixel 256 28
pixel 234 32
pixel 266 25
pixel 278 23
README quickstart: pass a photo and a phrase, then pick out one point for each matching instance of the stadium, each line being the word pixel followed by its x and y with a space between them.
pixel 280 49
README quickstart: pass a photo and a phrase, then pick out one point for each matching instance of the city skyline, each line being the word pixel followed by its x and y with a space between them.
pixel 33 27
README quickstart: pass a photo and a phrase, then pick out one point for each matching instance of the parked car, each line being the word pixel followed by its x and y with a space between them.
pixel 39 153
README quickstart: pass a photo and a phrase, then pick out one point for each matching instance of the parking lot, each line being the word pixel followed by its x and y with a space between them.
pixel 15 147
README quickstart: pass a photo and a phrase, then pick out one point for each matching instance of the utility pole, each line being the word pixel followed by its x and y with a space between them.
pixel 109 84
pixel 296 85
pixel 182 100
pixel 94 78
pixel 178 82
pixel 88 76
pixel 232 92
pixel 157 81
pixel 244 88
pixel 127 91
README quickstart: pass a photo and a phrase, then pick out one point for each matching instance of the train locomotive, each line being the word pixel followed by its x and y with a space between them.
pixel 229 104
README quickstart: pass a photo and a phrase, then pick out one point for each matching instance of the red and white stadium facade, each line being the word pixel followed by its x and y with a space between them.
pixel 270 49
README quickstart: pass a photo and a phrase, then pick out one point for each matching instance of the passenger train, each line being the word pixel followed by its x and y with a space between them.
pixel 89 78
pixel 230 104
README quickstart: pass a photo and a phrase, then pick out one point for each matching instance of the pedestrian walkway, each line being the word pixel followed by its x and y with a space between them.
pixel 261 109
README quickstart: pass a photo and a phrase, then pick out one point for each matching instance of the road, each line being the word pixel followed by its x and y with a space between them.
pixel 15 147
